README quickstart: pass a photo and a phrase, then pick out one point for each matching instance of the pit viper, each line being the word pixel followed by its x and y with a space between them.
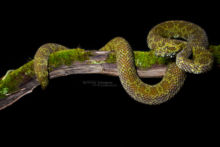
pixel 170 38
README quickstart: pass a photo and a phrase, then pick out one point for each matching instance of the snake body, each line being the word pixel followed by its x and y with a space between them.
pixel 41 61
pixel 164 38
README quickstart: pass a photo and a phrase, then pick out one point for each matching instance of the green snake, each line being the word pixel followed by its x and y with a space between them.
pixel 170 38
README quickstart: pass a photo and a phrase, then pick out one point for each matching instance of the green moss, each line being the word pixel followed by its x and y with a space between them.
pixel 4 91
pixel 11 82
pixel 67 57
pixel 215 49
pixel 142 59
pixel 148 59
pixel 111 58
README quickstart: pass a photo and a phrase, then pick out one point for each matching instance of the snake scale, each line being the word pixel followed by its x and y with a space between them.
pixel 170 38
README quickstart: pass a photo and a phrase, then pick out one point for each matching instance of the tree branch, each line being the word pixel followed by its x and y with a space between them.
pixel 78 68
pixel 97 62
pixel 85 67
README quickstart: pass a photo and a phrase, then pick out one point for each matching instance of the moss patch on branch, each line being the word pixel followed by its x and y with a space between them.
pixel 12 81
pixel 215 49
pixel 148 59
pixel 143 59
pixel 67 57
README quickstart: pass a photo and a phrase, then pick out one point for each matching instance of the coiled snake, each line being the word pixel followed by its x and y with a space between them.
pixel 180 38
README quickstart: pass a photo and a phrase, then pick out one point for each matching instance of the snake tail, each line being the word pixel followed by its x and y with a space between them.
pixel 41 62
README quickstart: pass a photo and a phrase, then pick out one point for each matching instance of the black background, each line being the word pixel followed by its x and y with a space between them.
pixel 83 113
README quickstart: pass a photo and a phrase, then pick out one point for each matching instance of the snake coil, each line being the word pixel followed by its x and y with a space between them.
pixel 164 38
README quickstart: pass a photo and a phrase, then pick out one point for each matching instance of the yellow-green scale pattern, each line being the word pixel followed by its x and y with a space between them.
pixel 140 91
pixel 41 61
pixel 164 38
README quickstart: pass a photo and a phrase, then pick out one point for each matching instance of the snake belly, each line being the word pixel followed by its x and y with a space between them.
pixel 164 39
